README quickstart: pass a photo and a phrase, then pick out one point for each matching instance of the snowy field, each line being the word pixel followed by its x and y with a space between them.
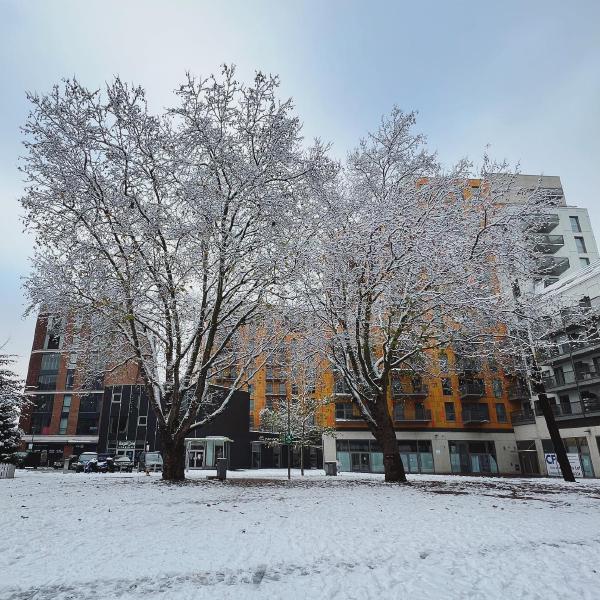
pixel 80 537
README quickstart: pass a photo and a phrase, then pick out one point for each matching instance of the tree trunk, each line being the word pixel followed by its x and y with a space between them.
pixel 173 460
pixel 559 447
pixel 386 437
pixel 302 461
pixel 557 442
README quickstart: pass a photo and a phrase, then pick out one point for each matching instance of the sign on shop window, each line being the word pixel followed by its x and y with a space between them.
pixel 553 467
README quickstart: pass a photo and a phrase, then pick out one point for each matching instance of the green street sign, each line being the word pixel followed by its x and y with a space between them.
pixel 287 438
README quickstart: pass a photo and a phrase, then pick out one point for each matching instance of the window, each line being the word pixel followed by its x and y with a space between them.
pixel 70 379
pixel 575 226
pixel 580 243
pixel 497 387
pixel 447 386
pixel 565 405
pixel 64 415
pixel 344 411
pixel 583 261
pixel 52 341
pixel 50 362
pixel 450 411
pixel 116 398
pixel 142 421
pixel 501 412
pixel 398 411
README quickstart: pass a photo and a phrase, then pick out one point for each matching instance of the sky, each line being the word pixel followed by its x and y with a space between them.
pixel 520 77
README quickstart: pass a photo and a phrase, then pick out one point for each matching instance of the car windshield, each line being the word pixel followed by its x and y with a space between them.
pixel 88 457
pixel 153 457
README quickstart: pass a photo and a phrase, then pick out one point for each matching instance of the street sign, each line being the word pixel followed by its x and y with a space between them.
pixel 288 438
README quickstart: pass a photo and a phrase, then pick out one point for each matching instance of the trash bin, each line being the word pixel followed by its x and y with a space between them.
pixel 221 468
pixel 330 467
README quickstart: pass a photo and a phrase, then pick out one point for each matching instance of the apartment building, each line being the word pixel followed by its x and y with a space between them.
pixel 469 417
pixel 572 381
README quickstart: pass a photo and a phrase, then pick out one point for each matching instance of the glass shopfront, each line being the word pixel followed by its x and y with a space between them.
pixel 365 456
pixel 473 457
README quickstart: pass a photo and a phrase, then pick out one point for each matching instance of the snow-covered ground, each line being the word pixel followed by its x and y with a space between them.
pixel 81 537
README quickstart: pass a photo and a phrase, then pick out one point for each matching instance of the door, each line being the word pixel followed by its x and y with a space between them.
pixel 197 458
pixel 361 462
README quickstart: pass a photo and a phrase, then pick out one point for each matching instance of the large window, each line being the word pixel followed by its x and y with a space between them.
pixel 450 411
pixel 580 243
pixel 575 226
pixel 366 456
pixel 473 457
pixel 89 414
pixel 41 414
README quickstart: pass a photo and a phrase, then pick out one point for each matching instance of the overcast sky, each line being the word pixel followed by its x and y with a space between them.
pixel 523 77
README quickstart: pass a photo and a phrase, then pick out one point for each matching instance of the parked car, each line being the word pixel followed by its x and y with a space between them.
pixel 123 463
pixel 151 461
pixel 86 461
pixel 27 459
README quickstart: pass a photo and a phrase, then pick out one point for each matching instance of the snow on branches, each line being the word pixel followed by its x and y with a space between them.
pixel 168 235
pixel 12 400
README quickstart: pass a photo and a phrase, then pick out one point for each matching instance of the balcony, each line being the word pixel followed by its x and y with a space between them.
pixel 573 348
pixel 570 379
pixel 416 415
pixel 468 365
pixel 518 391
pixel 522 417
pixel 544 223
pixel 548 244
pixel 472 390
pixel 551 265
pixel 410 390
pixel 588 407
pixel 475 415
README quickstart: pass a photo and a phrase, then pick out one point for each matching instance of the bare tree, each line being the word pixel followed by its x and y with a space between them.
pixel 405 265
pixel 169 236
pixel 299 419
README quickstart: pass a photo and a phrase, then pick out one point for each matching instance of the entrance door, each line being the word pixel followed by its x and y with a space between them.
pixel 361 462
pixel 196 458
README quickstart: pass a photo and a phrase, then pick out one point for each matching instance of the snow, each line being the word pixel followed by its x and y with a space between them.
pixel 130 536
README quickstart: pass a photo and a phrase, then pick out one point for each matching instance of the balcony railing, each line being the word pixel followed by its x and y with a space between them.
pixel 544 223
pixel 420 415
pixel 522 417
pixel 552 265
pixel 471 389
pixel 413 390
pixel 572 378
pixel 585 408
pixel 469 365
pixel 475 415
pixel 573 347
pixel 518 391
pixel 548 244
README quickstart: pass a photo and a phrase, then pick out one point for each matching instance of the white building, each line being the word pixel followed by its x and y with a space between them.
pixel 573 384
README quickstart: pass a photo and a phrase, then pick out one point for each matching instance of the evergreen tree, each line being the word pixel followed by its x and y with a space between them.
pixel 11 401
